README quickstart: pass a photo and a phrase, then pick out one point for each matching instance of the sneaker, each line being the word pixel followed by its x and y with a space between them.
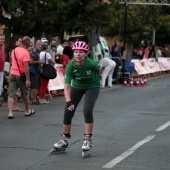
pixel 87 144
pixel 43 101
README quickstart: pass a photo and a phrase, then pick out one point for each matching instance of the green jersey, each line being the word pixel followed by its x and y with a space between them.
pixel 83 77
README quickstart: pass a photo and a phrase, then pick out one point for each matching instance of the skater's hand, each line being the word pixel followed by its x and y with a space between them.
pixel 70 106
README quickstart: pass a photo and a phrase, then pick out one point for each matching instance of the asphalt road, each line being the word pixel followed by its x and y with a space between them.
pixel 131 132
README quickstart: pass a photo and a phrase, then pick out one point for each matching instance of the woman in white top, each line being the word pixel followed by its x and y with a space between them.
pixel 159 52
pixel 44 82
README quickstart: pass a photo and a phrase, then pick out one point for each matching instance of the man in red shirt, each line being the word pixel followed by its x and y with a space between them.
pixel 2 62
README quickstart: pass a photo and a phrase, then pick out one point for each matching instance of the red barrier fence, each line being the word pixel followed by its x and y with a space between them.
pixel 148 66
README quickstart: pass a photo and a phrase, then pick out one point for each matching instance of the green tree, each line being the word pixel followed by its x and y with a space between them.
pixel 54 16
pixel 141 19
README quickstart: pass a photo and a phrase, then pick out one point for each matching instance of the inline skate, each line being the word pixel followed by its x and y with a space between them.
pixel 61 145
pixel 86 147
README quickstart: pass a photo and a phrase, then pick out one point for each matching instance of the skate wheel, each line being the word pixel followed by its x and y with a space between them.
pixel 85 154
pixel 57 151
pixel 51 151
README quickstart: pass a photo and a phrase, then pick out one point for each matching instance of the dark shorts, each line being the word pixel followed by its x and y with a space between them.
pixel 15 83
pixel 35 80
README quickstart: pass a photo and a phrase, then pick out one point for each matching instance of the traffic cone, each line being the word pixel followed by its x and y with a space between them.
pixel 131 83
pixel 142 83
pixel 125 83
pixel 137 83
pixel 145 81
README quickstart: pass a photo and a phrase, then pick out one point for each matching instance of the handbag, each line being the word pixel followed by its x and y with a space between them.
pixel 22 75
pixel 40 69
pixel 49 72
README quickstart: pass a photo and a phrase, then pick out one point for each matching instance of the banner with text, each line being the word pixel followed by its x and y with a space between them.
pixel 58 82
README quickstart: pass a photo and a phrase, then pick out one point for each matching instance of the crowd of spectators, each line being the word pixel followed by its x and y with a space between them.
pixel 21 55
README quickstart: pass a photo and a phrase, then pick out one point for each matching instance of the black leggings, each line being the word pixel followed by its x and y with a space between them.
pixel 91 96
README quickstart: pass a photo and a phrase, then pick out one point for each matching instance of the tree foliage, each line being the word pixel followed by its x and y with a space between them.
pixel 141 21
pixel 53 17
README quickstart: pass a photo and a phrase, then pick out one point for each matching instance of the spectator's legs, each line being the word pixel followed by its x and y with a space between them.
pixel 104 75
pixel 110 75
pixel 12 93
pixel 26 103
pixel 43 88
pixel 34 93
pixel 1 83
pixel 10 106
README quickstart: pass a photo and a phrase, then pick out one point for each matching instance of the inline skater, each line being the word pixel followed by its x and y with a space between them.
pixel 82 78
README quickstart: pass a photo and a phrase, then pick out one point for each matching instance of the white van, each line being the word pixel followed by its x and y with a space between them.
pixel 97 45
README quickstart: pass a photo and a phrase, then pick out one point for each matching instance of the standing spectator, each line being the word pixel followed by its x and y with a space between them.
pixel 164 52
pixel 44 40
pixel 71 43
pixel 15 41
pixel 159 52
pixel 145 52
pixel 116 50
pixel 2 62
pixel 44 82
pixel 21 56
pixel 81 79
pixel 30 48
pixel 35 78
pixel 52 46
pixel 66 56
pixel 116 56
pixel 107 66
pixel 64 60
pixel 60 47
pixel 152 52
pixel 52 49
pixel 55 38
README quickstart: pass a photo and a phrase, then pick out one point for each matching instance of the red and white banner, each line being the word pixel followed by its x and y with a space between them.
pixel 147 66
pixel 58 82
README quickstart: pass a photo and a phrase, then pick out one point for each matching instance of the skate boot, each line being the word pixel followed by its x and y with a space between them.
pixel 86 147
pixel 61 145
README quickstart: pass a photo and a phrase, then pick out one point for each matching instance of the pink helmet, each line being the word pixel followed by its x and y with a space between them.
pixel 80 45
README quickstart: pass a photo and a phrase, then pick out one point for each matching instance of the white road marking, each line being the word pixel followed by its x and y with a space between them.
pixel 163 127
pixel 127 153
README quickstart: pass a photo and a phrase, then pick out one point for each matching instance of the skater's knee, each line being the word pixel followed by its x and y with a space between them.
pixel 89 119
pixel 68 118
